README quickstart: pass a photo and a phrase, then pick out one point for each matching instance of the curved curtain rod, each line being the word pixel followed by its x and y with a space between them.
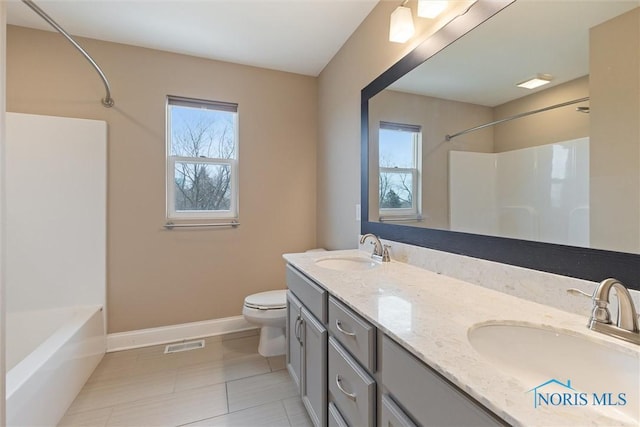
pixel 517 116
pixel 107 101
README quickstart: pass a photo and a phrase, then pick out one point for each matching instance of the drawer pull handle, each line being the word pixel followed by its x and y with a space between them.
pixel 297 328
pixel 338 325
pixel 351 396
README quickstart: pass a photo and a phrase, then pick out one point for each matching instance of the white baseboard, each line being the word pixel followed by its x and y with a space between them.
pixel 167 334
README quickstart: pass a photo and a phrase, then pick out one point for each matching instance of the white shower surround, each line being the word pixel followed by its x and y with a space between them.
pixel 55 262
pixel 539 193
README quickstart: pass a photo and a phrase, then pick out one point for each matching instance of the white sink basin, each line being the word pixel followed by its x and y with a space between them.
pixel 535 355
pixel 352 263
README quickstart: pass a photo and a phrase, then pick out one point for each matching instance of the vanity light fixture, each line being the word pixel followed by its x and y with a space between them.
pixel 431 8
pixel 537 81
pixel 401 26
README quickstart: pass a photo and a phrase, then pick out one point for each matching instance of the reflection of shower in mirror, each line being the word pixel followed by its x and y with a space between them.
pixel 538 193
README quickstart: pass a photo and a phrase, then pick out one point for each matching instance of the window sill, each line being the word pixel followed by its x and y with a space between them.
pixel 171 225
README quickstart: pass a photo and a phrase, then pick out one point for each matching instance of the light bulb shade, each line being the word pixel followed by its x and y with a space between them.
pixel 401 27
pixel 431 8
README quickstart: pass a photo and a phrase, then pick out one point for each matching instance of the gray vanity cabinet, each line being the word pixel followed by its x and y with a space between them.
pixel 350 374
pixel 307 343
pixel 426 398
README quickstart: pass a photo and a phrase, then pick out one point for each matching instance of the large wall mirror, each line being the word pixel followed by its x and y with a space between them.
pixel 457 156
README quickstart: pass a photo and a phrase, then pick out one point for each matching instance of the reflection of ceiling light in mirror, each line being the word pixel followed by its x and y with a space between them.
pixel 537 81
pixel 401 28
pixel 431 8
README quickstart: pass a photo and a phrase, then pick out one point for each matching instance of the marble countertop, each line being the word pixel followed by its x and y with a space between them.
pixel 431 314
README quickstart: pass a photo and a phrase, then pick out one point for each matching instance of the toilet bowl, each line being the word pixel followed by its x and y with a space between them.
pixel 269 311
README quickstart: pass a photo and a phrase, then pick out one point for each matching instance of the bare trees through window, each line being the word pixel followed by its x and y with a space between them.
pixel 203 153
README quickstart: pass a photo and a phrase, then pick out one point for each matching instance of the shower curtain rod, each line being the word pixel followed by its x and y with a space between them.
pixel 517 116
pixel 107 101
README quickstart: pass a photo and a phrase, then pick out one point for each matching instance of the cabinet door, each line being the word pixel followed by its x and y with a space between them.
pixel 392 416
pixel 314 368
pixel 335 419
pixel 294 338
pixel 425 395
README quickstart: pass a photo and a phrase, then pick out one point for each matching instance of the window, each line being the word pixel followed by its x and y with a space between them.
pixel 202 159
pixel 399 154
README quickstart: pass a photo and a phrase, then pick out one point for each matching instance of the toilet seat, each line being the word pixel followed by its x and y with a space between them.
pixel 270 300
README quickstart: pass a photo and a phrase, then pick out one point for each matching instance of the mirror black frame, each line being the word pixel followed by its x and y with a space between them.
pixel 583 263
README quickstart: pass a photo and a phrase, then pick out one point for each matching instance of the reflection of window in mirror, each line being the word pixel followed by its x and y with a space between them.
pixel 399 161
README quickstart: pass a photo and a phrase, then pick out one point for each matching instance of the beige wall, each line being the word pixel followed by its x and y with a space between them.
pixel 561 124
pixel 437 118
pixel 615 133
pixel 361 59
pixel 158 277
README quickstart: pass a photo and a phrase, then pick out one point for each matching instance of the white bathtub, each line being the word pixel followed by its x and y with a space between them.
pixel 50 356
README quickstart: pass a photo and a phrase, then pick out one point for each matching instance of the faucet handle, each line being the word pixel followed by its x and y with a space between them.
pixel 578 292
pixel 600 313
pixel 385 253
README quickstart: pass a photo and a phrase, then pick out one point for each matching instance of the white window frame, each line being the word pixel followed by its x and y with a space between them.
pixel 414 212
pixel 171 212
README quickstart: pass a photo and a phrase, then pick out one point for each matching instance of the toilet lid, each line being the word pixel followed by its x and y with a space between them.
pixel 267 300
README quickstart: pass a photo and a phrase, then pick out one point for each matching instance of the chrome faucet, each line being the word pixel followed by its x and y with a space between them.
pixel 626 326
pixel 380 251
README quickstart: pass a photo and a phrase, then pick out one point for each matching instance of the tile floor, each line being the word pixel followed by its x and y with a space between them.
pixel 225 384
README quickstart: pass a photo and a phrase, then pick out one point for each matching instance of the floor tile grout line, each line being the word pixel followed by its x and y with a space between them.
pixel 130 378
pixel 111 411
pixel 137 402
pixel 257 406
pixel 177 368
pixel 86 411
pixel 252 376
pixel 226 391
pixel 222 362
pixel 227 381
pixel 261 403
pixel 286 413
pixel 235 412
pixel 200 420
pixel 126 402
pixel 174 391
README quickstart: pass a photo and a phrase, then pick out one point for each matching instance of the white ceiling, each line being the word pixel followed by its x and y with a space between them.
pixel 527 38
pixel 298 36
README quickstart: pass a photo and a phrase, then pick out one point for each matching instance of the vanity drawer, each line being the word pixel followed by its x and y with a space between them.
pixel 425 395
pixel 354 333
pixel 312 296
pixel 351 389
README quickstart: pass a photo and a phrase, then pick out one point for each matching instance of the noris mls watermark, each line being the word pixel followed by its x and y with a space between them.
pixel 556 393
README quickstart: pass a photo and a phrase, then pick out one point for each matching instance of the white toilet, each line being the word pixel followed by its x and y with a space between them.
pixel 268 310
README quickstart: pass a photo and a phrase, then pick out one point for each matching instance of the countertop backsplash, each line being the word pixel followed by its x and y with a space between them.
pixel 537 286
